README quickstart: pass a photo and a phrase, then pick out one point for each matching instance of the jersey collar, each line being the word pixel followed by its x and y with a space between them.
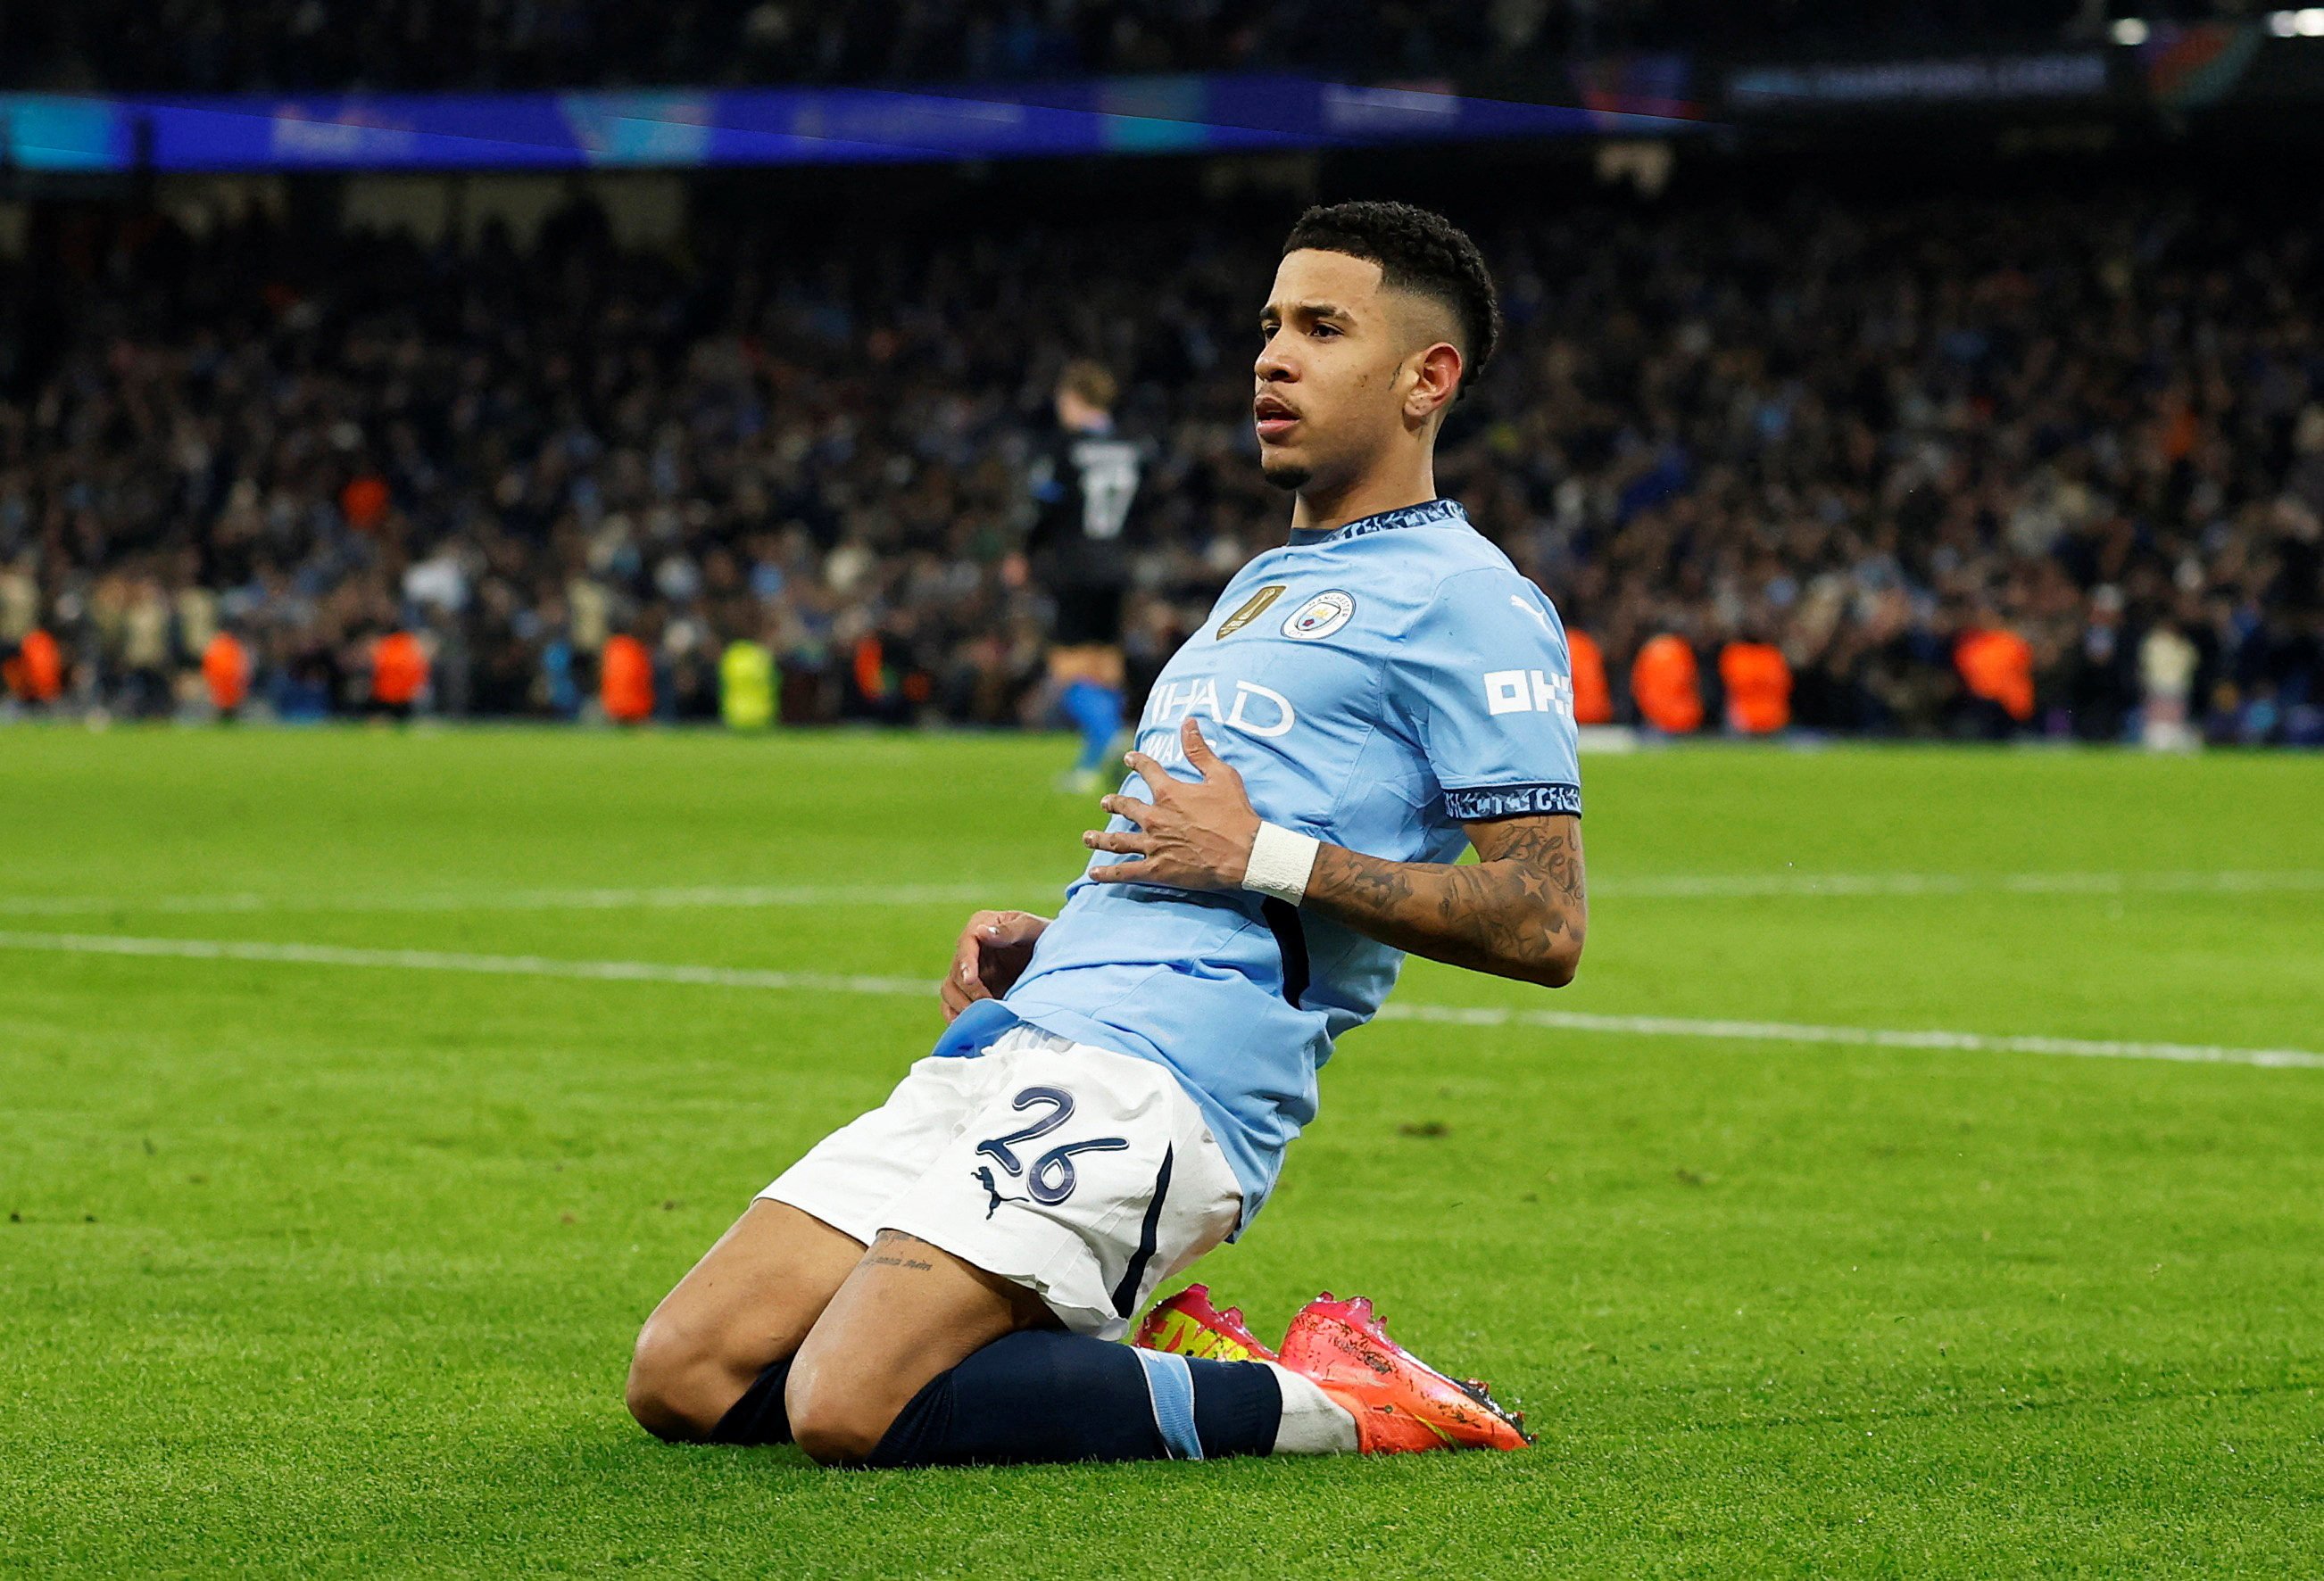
pixel 1426 514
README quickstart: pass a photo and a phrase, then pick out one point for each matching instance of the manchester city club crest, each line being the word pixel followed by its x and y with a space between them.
pixel 1253 607
pixel 1320 616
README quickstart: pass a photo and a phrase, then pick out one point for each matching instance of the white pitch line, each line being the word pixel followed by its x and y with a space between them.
pixel 628 971
pixel 1744 886
pixel 650 971
pixel 1860 1036
pixel 751 896
pixel 671 897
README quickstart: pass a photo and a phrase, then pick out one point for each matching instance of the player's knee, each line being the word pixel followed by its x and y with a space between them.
pixel 835 1425
pixel 676 1390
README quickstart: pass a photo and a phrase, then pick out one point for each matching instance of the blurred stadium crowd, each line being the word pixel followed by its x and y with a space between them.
pixel 272 46
pixel 1956 465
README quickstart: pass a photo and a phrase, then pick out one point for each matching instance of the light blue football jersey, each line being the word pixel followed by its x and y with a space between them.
pixel 1376 686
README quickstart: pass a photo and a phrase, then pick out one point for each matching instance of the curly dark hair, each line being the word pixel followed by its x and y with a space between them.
pixel 1418 252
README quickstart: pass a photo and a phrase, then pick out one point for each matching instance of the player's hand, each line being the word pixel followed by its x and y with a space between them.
pixel 995 948
pixel 1194 834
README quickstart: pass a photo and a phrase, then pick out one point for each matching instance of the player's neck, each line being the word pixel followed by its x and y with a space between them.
pixel 1372 494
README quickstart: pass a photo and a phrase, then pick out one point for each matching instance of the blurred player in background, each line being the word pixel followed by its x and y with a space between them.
pixel 1083 486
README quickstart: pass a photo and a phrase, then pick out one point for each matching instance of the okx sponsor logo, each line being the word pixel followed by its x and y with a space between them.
pixel 1528 692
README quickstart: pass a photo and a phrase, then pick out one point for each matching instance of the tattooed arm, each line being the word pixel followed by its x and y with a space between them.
pixel 1520 911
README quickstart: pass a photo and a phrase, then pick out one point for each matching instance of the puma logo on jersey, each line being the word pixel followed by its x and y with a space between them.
pixel 1528 692
pixel 1530 609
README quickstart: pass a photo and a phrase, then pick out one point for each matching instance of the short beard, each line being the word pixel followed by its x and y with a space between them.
pixel 1290 478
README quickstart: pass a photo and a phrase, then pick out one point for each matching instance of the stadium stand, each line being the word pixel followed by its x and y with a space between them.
pixel 311 45
pixel 1869 435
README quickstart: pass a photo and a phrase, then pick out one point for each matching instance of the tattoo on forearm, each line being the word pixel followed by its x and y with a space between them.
pixel 1522 905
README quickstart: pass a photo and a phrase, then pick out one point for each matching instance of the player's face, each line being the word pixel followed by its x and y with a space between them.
pixel 1330 374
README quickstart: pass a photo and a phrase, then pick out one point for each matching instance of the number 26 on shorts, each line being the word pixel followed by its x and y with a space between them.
pixel 1051 1180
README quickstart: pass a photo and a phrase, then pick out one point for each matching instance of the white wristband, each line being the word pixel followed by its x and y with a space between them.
pixel 1280 861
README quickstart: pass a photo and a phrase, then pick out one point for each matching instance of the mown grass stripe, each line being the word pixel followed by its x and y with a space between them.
pixel 748 896
pixel 653 971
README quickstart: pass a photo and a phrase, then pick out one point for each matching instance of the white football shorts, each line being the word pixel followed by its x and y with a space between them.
pixel 1087 1176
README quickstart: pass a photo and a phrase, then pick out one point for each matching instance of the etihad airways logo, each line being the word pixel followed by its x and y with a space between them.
pixel 1251 708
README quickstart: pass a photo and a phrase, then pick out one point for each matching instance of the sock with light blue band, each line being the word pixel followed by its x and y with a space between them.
pixel 1044 1395
pixel 1170 1385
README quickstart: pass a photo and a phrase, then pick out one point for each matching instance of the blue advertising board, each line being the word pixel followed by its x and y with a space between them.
pixel 682 128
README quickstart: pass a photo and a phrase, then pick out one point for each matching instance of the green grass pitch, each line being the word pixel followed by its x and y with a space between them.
pixel 315 1266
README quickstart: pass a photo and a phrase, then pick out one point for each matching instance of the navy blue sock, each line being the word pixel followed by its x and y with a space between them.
pixel 1096 712
pixel 1044 1395
pixel 760 1417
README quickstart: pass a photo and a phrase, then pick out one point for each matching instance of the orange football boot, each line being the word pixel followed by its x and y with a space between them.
pixel 1188 1325
pixel 1401 1404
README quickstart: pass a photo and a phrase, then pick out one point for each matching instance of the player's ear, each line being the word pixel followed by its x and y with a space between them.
pixel 1436 379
